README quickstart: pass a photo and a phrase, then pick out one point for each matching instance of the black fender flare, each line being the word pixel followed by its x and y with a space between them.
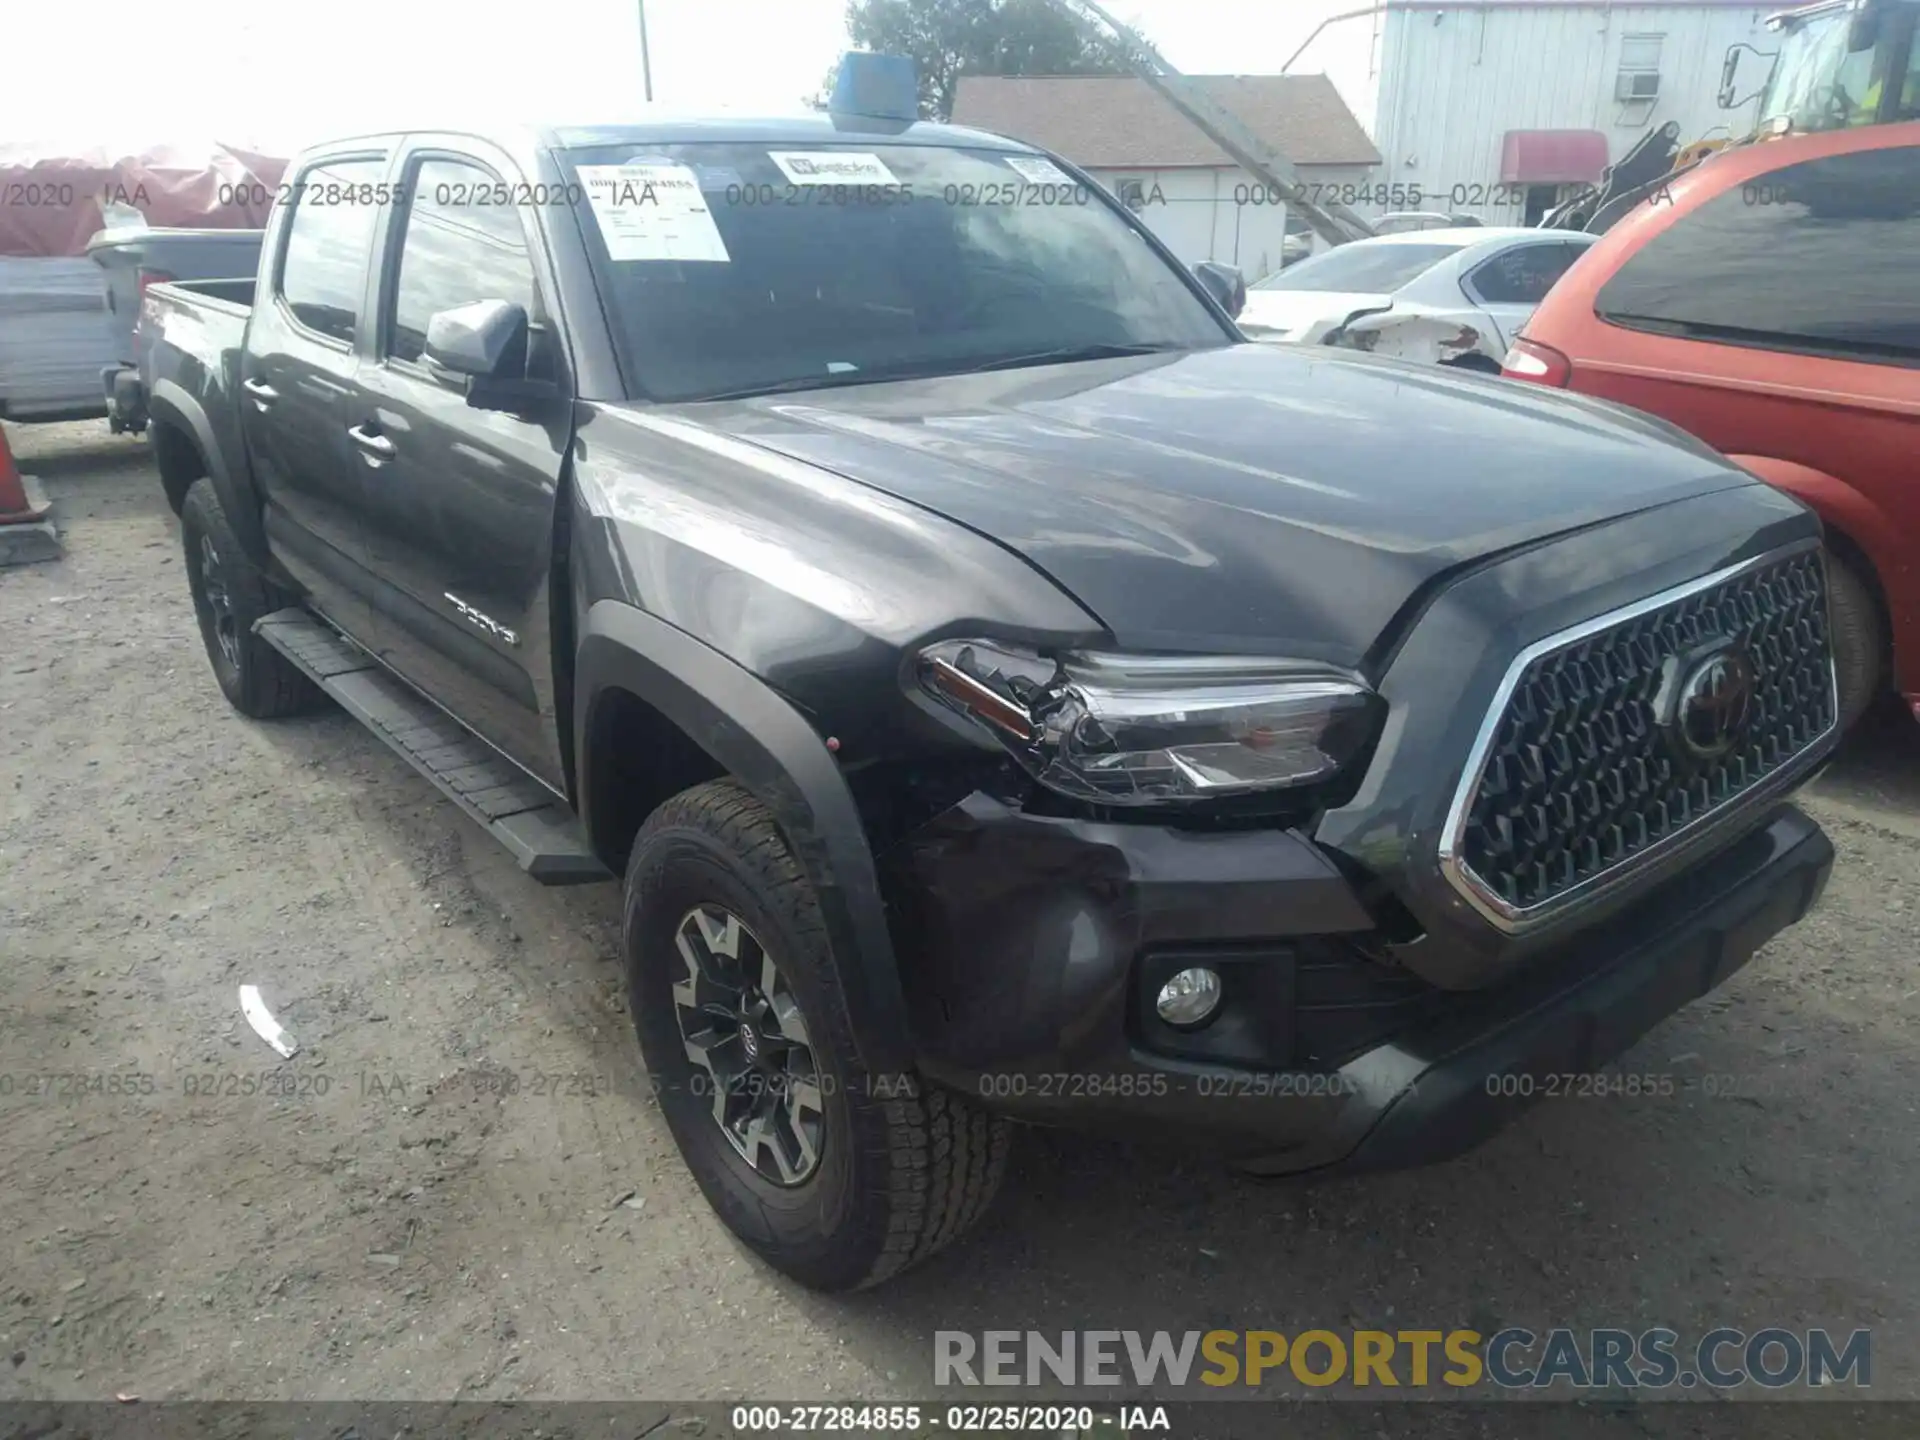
pixel 765 743
pixel 171 403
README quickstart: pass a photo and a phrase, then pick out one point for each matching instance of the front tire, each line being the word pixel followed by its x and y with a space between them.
pixel 229 594
pixel 835 1176
pixel 1859 641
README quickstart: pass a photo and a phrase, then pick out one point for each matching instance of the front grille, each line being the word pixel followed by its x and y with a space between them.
pixel 1586 771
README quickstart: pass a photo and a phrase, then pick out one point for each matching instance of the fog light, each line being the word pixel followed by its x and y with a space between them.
pixel 1189 998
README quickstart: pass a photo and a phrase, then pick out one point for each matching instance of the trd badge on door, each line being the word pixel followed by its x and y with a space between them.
pixel 484 622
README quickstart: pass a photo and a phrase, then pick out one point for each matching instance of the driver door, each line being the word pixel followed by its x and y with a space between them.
pixel 458 504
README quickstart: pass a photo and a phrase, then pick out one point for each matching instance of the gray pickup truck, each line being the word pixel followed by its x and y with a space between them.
pixel 1008 693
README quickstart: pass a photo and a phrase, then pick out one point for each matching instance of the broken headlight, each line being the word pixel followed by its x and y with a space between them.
pixel 1148 730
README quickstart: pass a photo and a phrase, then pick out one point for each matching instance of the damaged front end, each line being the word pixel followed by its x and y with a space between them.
pixel 1118 816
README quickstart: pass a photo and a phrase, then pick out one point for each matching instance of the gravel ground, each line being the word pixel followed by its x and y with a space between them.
pixel 396 1230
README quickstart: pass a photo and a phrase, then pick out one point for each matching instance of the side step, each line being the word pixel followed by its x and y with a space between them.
pixel 521 814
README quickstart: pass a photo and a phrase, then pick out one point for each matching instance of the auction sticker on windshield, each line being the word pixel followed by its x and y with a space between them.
pixel 1037 171
pixel 832 167
pixel 653 211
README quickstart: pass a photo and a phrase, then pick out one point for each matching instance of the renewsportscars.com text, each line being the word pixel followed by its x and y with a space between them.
pixel 1653 1359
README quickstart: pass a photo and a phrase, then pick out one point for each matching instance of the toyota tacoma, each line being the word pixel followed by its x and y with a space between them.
pixel 1006 693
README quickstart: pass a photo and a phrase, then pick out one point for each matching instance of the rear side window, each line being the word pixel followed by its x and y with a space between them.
pixel 324 268
pixel 1815 258
pixel 463 242
pixel 1524 274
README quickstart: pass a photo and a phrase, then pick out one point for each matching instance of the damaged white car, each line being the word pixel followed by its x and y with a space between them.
pixel 1445 297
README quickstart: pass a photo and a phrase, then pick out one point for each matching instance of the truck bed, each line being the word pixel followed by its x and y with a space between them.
pixel 229 297
pixel 173 255
pixel 190 338
pixel 189 331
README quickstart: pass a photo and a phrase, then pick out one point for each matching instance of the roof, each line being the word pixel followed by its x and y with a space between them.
pixel 1116 121
pixel 664 126
pixel 810 126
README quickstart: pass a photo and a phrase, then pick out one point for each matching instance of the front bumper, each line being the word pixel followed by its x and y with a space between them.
pixel 1041 941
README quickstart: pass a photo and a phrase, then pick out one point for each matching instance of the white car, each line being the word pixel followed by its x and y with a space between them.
pixel 1450 297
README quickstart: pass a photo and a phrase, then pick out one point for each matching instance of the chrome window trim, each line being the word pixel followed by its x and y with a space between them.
pixel 1517 919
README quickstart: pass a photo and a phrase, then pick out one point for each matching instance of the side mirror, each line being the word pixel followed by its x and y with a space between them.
pixel 1729 73
pixel 1730 97
pixel 1225 283
pixel 485 340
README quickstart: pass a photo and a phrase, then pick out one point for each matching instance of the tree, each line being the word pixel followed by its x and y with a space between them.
pixel 949 38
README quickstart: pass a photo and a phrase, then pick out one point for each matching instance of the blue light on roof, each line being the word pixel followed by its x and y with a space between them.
pixel 879 87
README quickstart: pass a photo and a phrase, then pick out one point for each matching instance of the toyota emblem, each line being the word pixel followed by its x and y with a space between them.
pixel 1715 704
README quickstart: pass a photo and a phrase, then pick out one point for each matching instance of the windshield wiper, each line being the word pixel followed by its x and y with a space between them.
pixel 1068 354
pixel 934 368
pixel 798 382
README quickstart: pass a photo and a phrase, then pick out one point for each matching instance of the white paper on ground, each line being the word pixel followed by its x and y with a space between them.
pixel 652 211
pixel 263 1023
pixel 832 167
pixel 1037 170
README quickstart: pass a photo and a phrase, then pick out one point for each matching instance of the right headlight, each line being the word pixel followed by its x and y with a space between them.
pixel 1149 730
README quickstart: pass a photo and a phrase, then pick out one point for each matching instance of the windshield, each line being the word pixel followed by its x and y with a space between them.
pixel 730 268
pixel 1817 84
pixel 1360 268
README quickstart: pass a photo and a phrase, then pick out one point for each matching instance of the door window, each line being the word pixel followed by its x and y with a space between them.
pixel 323 270
pixel 1815 258
pixel 462 243
pixel 1522 275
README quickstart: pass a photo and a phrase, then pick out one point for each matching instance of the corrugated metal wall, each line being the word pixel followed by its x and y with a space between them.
pixel 1454 81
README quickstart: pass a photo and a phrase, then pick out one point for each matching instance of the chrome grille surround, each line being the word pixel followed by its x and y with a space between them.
pixel 1605 736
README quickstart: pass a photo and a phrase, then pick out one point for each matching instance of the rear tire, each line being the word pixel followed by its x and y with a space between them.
pixel 864 1175
pixel 1859 640
pixel 229 594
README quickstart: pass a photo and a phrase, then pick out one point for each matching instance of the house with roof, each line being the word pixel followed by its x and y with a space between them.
pixel 1187 190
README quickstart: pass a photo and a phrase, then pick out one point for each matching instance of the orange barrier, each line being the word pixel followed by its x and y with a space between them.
pixel 15 506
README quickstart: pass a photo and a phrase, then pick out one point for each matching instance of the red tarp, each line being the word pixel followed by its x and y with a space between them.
pixel 51 197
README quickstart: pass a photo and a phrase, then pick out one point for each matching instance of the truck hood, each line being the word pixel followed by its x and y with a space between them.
pixel 1248 499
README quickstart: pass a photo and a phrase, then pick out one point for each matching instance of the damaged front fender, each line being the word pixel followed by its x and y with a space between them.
pixel 1424 337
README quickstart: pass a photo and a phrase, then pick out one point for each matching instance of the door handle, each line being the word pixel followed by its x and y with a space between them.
pixel 263 394
pixel 377 447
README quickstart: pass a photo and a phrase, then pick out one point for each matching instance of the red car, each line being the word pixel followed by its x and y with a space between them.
pixel 1768 301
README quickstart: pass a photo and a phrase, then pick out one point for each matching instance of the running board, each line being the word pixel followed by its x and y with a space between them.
pixel 543 834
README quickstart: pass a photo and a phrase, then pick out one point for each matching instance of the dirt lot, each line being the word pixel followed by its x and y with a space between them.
pixel 396 1230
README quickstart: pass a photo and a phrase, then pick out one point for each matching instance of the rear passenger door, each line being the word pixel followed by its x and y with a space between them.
pixel 1509 286
pixel 297 372
pixel 458 500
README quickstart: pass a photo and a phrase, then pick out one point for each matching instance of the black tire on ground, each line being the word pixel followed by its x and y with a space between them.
pixel 1477 363
pixel 903 1167
pixel 1859 640
pixel 229 594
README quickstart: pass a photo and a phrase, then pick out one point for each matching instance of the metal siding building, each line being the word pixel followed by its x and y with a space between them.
pixel 1479 96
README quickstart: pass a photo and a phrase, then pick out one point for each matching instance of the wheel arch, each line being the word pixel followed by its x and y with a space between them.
pixel 172 407
pixel 745 729
pixel 1849 518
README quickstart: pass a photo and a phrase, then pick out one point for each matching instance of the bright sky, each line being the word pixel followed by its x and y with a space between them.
pixel 280 73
